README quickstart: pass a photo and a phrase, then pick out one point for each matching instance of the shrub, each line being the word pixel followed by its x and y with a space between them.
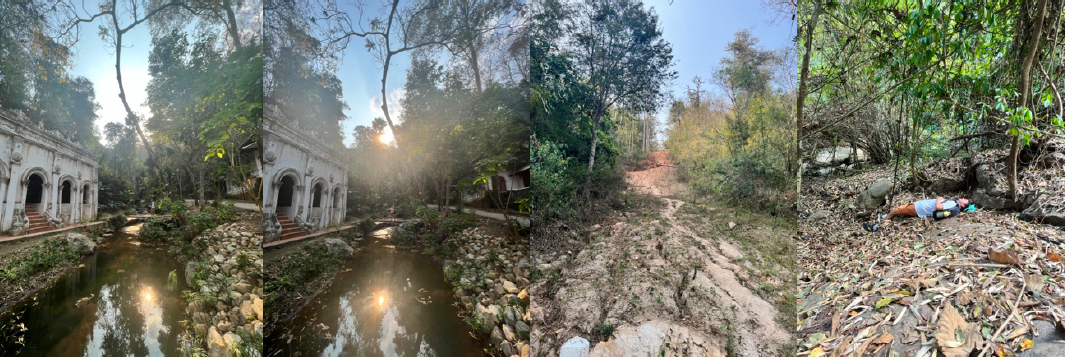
pixel 366 226
pixel 155 230
pixel 117 221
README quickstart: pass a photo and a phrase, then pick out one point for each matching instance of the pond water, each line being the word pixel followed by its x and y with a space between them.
pixel 387 301
pixel 117 304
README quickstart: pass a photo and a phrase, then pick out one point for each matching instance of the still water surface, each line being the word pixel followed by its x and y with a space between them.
pixel 116 305
pixel 387 301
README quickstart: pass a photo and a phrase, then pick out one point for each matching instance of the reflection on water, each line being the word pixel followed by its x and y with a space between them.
pixel 384 302
pixel 116 305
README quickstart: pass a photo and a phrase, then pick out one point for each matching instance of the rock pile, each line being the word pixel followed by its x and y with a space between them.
pixel 491 277
pixel 228 301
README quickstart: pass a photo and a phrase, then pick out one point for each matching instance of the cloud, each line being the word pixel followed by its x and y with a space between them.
pixel 395 106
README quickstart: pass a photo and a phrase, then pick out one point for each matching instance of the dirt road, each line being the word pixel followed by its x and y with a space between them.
pixel 669 279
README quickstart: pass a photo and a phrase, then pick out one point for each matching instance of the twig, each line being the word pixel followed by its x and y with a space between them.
pixel 1024 285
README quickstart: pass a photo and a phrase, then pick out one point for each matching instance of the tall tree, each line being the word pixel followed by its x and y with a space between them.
pixel 618 45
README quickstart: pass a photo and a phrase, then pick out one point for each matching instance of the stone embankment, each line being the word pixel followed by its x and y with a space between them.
pixel 490 274
pixel 228 284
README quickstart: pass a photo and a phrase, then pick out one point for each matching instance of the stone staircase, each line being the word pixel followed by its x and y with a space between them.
pixel 37 222
pixel 289 228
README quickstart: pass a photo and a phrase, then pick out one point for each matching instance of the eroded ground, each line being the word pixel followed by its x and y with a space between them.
pixel 670 275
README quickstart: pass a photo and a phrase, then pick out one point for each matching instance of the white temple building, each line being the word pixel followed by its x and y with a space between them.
pixel 305 182
pixel 46 180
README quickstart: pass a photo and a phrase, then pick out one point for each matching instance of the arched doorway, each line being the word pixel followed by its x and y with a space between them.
pixel 34 192
pixel 338 210
pixel 317 201
pixel 64 197
pixel 86 203
pixel 285 195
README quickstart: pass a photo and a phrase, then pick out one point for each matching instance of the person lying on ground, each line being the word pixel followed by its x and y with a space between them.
pixel 927 208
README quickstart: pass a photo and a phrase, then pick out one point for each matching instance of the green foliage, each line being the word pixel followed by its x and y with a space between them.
pixel 51 253
pixel 172 280
pixel 117 221
pixel 366 226
pixel 458 222
pixel 294 274
pixel 200 221
pixel 155 230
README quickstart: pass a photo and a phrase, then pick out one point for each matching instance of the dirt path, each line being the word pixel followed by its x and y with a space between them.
pixel 660 283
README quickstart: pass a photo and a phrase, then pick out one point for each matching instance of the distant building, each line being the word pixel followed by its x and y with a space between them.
pixel 505 181
pixel 305 182
pixel 46 180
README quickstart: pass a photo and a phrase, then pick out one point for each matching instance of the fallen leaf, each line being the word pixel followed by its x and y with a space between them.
pixel 955 336
pixel 817 352
pixel 1055 257
pixel 1006 256
pixel 1027 345
pixel 1020 331
pixel 884 302
pixel 884 338
pixel 1034 282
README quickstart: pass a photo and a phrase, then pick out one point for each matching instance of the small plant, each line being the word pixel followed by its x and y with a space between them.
pixel 603 330
pixel 172 280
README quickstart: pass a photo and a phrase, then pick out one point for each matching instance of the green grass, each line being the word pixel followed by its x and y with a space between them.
pixel 294 275
pixel 51 253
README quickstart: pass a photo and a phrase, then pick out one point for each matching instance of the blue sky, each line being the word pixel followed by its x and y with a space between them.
pixel 700 30
pixel 95 60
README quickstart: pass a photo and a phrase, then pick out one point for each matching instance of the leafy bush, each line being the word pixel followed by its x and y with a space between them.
pixel 200 221
pixel 117 221
pixel 366 226
pixel 458 222
pixel 227 212
pixel 155 230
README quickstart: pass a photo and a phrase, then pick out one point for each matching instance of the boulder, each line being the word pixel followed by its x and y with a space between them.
pixel 575 347
pixel 247 311
pixel 243 288
pixel 190 271
pixel 987 178
pixel 510 287
pixel 838 155
pixel 817 216
pixel 947 184
pixel 337 246
pixel 987 201
pixel 81 243
pixel 216 345
pixel 522 329
pixel 1045 211
pixel 257 307
pixel 874 196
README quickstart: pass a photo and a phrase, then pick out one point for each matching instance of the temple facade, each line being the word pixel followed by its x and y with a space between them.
pixel 46 180
pixel 305 182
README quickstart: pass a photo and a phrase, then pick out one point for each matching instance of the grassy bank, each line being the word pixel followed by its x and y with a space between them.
pixel 28 268
pixel 296 277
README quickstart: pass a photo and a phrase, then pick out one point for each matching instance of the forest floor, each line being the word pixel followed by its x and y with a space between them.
pixel 670 275
pixel 918 285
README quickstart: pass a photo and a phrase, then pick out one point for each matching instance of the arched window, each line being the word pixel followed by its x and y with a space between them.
pixel 85 195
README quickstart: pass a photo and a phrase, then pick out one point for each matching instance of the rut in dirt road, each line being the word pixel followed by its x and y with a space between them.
pixel 659 283
pixel 719 271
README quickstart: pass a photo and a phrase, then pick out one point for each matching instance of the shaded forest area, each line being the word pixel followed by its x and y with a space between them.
pixel 902 101
pixel 205 96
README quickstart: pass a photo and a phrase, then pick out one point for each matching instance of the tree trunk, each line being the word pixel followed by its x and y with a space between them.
pixel 804 75
pixel 231 23
pixel 1026 90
